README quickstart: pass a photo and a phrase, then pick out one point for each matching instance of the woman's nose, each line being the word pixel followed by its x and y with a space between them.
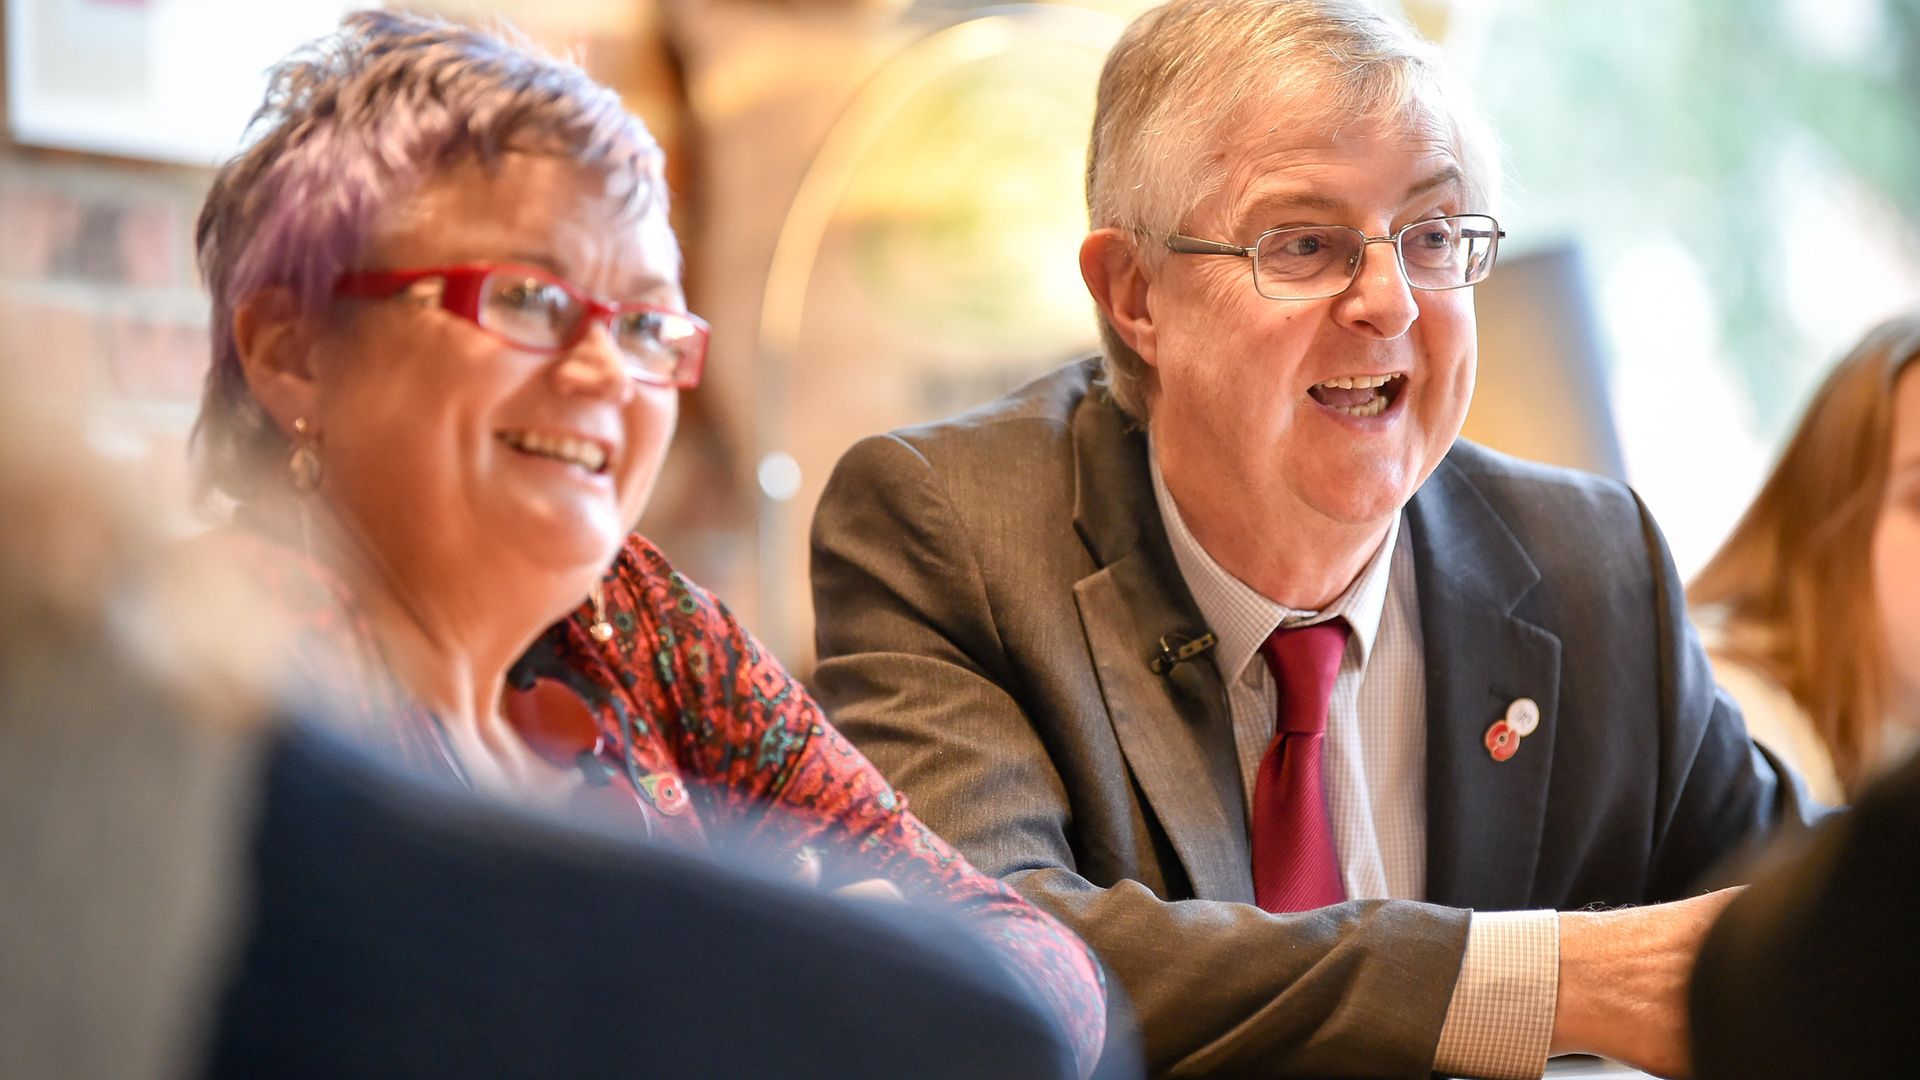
pixel 594 364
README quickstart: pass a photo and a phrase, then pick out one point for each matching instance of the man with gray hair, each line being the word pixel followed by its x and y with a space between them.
pixel 1314 720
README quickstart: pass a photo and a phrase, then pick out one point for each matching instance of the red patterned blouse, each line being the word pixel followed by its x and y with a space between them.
pixel 694 731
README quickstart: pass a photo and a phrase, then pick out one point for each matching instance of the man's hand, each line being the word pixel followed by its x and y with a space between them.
pixel 1623 982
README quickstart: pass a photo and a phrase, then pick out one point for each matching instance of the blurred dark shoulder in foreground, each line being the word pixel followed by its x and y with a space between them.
pixel 1815 970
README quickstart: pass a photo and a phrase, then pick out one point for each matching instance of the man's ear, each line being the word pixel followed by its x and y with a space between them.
pixel 1115 274
pixel 275 343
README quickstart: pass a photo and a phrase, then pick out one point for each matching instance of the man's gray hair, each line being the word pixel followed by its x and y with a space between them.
pixel 1186 75
pixel 351 125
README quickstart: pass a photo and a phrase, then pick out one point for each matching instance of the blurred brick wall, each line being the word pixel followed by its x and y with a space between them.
pixel 99 299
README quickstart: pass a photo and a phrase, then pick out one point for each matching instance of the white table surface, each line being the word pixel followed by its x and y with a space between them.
pixel 1581 1067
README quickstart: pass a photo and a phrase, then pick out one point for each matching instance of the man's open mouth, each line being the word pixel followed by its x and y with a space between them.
pixel 1359 395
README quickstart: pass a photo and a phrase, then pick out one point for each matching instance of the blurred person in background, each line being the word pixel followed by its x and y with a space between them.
pixel 449 337
pixel 1811 607
pixel 195 884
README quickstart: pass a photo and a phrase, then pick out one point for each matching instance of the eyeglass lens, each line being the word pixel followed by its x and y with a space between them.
pixel 1321 260
pixel 541 314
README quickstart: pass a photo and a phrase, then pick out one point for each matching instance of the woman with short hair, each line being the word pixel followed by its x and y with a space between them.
pixel 449 336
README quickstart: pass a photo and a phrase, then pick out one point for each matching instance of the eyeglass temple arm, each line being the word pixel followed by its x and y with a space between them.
pixel 1193 245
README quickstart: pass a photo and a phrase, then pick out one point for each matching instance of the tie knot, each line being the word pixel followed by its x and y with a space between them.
pixel 1304 661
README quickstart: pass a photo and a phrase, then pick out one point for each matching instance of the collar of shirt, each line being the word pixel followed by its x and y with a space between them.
pixel 1241 618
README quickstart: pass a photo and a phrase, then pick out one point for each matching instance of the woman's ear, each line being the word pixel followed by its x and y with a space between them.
pixel 275 342
pixel 1117 277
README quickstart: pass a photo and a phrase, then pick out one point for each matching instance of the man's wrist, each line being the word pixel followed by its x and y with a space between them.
pixel 1587 945
pixel 1623 981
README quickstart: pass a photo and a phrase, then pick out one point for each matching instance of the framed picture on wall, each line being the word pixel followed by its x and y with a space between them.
pixel 161 80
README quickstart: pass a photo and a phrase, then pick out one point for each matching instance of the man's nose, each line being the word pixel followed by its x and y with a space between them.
pixel 1380 301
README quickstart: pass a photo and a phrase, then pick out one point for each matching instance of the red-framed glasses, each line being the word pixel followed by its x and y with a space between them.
pixel 536 310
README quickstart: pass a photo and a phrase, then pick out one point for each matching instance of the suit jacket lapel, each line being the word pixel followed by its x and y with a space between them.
pixel 1484 817
pixel 1175 729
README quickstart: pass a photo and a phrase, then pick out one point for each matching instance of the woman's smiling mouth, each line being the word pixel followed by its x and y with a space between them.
pixel 585 453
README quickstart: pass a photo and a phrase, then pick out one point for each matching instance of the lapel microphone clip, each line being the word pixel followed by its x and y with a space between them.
pixel 1176 649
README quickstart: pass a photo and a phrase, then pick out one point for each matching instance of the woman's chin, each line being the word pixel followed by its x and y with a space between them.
pixel 566 536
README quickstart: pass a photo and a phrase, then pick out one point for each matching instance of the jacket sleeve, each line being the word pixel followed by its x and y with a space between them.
pixel 913 666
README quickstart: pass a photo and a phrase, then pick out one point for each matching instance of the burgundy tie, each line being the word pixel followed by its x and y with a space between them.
pixel 1295 867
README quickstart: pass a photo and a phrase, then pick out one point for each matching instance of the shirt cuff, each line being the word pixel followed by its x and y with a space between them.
pixel 1500 1020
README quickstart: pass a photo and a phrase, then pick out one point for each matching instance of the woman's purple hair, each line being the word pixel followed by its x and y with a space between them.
pixel 351 124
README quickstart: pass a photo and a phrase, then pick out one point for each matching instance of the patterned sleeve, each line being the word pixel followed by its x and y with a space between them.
pixel 768 770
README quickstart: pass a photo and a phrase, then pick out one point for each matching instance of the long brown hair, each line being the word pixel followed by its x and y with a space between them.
pixel 1791 589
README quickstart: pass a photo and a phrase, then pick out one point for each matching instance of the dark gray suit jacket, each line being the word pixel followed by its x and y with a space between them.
pixel 990 591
